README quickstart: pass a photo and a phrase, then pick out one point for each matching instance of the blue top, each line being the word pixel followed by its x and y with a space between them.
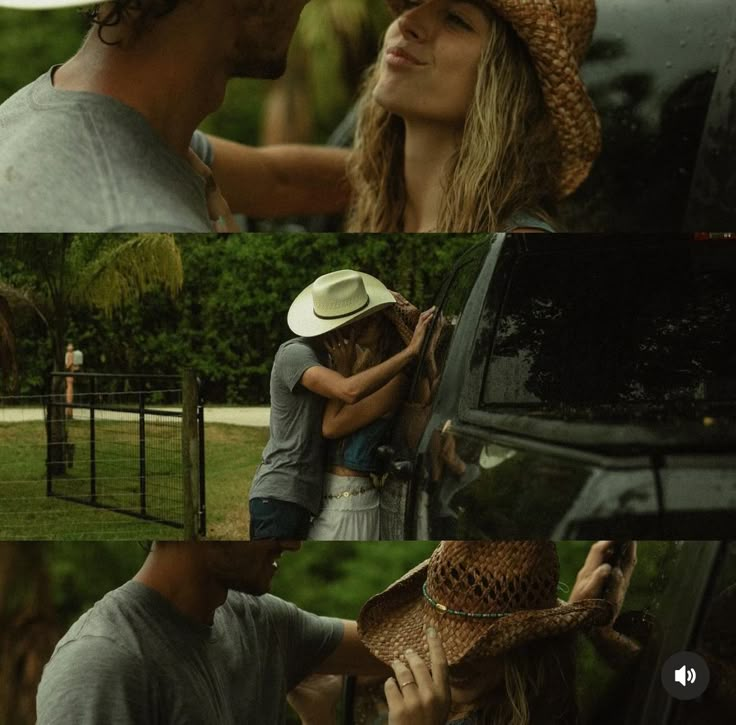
pixel 358 450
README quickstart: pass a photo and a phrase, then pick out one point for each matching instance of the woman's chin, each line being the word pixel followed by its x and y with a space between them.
pixel 465 694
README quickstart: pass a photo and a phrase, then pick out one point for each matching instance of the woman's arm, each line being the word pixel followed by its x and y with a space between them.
pixel 273 181
pixel 340 419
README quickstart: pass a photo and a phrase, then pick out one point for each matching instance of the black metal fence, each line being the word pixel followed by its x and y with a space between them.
pixel 131 453
pixel 131 444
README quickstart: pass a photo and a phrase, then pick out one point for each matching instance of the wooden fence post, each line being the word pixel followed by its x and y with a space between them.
pixel 190 453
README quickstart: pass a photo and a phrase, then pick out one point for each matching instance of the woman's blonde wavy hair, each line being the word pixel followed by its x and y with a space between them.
pixel 539 686
pixel 507 163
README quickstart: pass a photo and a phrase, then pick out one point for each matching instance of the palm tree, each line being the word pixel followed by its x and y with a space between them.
pixel 28 627
pixel 55 274
pixel 334 42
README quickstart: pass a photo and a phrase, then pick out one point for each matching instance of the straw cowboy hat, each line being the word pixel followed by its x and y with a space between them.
pixel 557 34
pixel 484 598
pixel 334 300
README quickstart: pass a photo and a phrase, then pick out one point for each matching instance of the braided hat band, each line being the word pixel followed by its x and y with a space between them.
pixel 557 34
pixel 484 598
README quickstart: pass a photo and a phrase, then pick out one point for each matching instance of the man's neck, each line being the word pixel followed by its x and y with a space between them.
pixel 177 573
pixel 427 152
pixel 171 87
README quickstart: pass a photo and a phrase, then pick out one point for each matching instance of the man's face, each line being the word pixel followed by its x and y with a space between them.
pixel 246 566
pixel 263 31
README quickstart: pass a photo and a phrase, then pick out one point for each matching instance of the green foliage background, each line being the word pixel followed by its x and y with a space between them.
pixel 31 42
pixel 334 40
pixel 329 578
pixel 230 316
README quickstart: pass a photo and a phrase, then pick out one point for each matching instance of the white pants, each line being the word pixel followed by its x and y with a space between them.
pixel 350 510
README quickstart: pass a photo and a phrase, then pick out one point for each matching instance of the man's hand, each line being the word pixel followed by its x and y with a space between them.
pixel 315 699
pixel 342 351
pixel 417 696
pixel 597 579
pixel 420 331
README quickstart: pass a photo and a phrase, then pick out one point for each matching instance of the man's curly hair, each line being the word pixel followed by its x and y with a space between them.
pixel 116 11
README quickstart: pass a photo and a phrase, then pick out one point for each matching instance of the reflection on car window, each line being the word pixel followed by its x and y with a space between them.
pixel 645 333
pixel 416 410
pixel 717 645
pixel 449 311
pixel 615 674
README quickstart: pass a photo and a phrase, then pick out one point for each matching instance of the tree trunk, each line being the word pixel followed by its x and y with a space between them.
pixel 28 629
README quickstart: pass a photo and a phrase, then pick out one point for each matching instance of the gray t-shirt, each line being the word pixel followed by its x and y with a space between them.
pixel 83 162
pixel 135 659
pixel 293 465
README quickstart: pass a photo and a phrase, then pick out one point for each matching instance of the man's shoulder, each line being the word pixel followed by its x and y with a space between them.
pixel 113 619
pixel 76 161
pixel 256 607
pixel 300 347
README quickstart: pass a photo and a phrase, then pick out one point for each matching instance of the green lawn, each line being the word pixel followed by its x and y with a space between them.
pixel 26 512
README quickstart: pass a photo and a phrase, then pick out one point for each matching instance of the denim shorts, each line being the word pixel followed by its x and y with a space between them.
pixel 274 519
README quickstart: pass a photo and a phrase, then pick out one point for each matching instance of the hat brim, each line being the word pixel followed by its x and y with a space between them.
pixel 398 617
pixel 42 4
pixel 304 322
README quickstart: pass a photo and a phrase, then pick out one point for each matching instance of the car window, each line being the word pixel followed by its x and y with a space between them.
pixel 450 303
pixel 650 71
pixel 716 643
pixel 617 672
pixel 626 332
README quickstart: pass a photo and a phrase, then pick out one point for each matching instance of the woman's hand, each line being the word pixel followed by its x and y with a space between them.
pixel 315 699
pixel 218 209
pixel 342 351
pixel 417 696
pixel 420 331
pixel 597 579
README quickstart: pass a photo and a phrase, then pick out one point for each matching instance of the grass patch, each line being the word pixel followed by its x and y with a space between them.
pixel 232 454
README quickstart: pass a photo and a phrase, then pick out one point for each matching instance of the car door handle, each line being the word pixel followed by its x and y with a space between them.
pixel 386 456
pixel 403 470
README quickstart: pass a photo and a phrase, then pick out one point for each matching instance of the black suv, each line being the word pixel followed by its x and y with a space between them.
pixel 573 386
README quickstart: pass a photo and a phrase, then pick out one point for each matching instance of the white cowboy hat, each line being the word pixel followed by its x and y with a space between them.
pixel 334 300
pixel 42 4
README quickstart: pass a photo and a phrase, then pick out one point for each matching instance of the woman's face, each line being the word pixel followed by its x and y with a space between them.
pixel 472 683
pixel 430 59
pixel 368 331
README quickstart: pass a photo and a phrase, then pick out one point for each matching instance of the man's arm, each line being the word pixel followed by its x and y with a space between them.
pixel 274 181
pixel 331 384
pixel 340 419
pixel 352 657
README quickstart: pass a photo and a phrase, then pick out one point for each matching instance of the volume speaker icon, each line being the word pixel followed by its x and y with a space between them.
pixel 685 676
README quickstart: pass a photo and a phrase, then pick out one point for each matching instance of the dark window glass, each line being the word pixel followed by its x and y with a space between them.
pixel 450 303
pixel 717 645
pixel 628 332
